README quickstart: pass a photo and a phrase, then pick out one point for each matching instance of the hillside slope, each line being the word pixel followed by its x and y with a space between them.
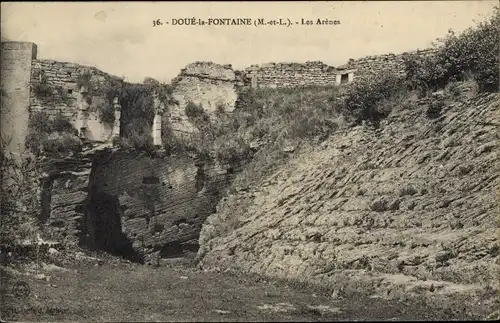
pixel 409 207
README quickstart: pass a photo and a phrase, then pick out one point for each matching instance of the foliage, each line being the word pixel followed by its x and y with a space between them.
pixel 42 89
pixel 197 115
pixel 434 109
pixel 137 141
pixel 56 136
pixel 45 90
pixel 137 109
pixel 19 203
pixel 364 99
pixel 473 52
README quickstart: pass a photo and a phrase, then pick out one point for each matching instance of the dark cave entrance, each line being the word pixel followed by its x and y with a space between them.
pixel 178 249
pixel 105 216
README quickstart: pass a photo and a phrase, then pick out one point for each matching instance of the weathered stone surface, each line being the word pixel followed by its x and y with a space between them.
pixel 142 205
pixel 210 85
pixel 288 75
pixel 64 197
pixel 136 205
pixel 376 64
pixel 412 201
pixel 16 58
pixel 82 109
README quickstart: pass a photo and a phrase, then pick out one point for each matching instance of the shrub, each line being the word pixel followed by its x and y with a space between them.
pixel 62 144
pixel 137 141
pixel 137 110
pixel 453 89
pixel 62 124
pixel 434 109
pixel 41 134
pixel 19 199
pixel 196 114
pixel 473 52
pixel 43 89
pixel 107 114
pixel 233 152
pixel 363 98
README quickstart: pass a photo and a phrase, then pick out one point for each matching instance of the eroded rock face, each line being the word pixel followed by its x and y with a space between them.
pixel 128 203
pixel 147 207
pixel 411 205
pixel 210 85
pixel 64 195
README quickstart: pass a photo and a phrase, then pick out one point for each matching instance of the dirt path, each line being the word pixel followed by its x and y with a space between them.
pixel 128 292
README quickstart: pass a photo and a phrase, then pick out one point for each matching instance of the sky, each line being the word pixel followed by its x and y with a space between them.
pixel 119 37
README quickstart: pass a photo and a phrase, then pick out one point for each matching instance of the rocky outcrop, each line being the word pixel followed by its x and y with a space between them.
pixel 210 85
pixel 147 207
pixel 137 205
pixel 64 193
pixel 408 206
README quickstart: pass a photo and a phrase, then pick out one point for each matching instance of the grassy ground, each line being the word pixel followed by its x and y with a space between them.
pixel 118 291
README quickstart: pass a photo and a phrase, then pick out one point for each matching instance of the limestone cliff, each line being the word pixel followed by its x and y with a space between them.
pixel 210 85
pixel 408 206
pixel 129 203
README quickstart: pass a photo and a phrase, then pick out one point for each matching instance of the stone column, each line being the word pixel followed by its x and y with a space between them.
pixel 159 108
pixel 350 77
pixel 83 112
pixel 254 81
pixel 116 127
pixel 338 78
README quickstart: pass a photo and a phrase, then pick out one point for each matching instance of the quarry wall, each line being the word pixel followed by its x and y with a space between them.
pixel 161 202
pixel 405 208
pixel 128 203
pixel 125 202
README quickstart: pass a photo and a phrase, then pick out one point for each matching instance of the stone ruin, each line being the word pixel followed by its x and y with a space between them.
pixel 142 207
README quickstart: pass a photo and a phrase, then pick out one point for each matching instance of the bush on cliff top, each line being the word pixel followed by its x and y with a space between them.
pixel 474 52
pixel 52 136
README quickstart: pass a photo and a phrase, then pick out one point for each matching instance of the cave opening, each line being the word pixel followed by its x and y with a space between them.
pixel 105 216
pixel 178 249
pixel 172 250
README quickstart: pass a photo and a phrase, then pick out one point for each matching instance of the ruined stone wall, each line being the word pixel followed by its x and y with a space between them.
pixel 285 75
pixel 141 204
pixel 207 84
pixel 377 64
pixel 16 60
pixel 55 89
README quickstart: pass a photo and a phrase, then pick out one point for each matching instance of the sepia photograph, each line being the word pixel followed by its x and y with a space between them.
pixel 250 161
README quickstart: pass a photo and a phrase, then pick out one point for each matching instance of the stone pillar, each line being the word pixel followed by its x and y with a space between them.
pixel 84 112
pixel 338 78
pixel 116 127
pixel 254 81
pixel 350 77
pixel 159 108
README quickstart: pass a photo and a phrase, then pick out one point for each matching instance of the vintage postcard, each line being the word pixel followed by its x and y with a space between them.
pixel 249 161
